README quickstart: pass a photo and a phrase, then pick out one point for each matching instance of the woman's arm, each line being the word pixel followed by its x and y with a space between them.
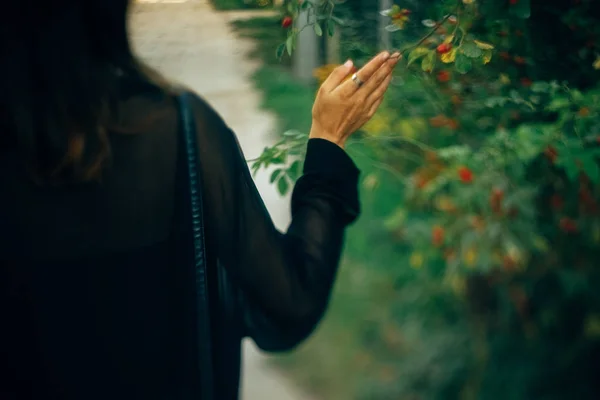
pixel 288 276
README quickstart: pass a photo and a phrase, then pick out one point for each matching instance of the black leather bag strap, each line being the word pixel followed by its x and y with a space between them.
pixel 199 265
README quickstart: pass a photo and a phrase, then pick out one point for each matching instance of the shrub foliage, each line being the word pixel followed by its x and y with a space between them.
pixel 492 127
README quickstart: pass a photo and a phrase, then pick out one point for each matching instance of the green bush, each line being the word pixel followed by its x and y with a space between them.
pixel 241 4
pixel 482 171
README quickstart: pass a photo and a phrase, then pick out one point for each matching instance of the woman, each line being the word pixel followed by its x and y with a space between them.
pixel 93 299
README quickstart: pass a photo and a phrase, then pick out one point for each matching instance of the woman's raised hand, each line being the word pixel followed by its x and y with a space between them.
pixel 343 106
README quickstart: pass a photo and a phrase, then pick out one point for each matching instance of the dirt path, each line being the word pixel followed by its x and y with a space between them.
pixel 190 42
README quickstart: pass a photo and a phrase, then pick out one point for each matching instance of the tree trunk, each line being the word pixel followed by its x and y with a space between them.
pixel 333 48
pixel 306 55
pixel 385 40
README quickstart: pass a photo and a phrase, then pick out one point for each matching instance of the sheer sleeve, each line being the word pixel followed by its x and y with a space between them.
pixel 289 275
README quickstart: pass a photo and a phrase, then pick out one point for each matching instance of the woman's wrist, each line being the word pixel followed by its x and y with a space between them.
pixel 316 132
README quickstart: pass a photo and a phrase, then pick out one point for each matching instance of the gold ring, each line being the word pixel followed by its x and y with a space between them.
pixel 357 80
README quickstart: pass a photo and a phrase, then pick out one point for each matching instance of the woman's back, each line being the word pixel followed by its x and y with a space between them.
pixel 93 292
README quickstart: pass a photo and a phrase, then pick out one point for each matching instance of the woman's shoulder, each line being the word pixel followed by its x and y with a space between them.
pixel 203 110
pixel 157 100
pixel 147 105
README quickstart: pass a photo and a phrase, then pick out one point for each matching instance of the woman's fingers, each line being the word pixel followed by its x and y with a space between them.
pixel 377 79
pixel 380 90
pixel 374 101
pixel 337 76
pixel 375 106
pixel 349 87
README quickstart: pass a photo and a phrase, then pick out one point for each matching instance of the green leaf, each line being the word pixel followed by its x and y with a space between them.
pixel 280 50
pixel 569 163
pixel 522 9
pixel 418 53
pixel 487 56
pixel 283 185
pixel 516 96
pixel 292 133
pixel 255 167
pixel 279 158
pixel 540 87
pixel 576 95
pixel 289 44
pixel 558 103
pixel 483 45
pixel 591 168
pixel 318 29
pixel 530 141
pixel 337 20
pixel 428 62
pixel 471 50
pixel 571 282
pixel 395 220
pixel 463 64
pixel 492 102
pixel 295 170
pixel 275 175
pixel 330 27
pixel 454 152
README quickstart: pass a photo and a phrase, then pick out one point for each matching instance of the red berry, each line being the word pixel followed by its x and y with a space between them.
pixel 287 22
pixel 465 174
pixel 449 255
pixel 508 263
pixel 505 55
pixel 586 200
pixel 437 236
pixel 519 60
pixel 420 181
pixel 431 156
pixel 401 14
pixel 444 48
pixel 496 198
pixel 443 76
pixel 439 121
pixel 551 154
pixel 526 82
pixel 568 225
pixel 453 124
pixel 583 112
pixel 557 202
pixel 513 2
pixel 478 223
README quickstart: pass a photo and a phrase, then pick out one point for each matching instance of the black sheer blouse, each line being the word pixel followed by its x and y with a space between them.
pixel 89 303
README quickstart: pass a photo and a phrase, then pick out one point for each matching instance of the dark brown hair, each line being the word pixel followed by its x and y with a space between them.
pixel 61 65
